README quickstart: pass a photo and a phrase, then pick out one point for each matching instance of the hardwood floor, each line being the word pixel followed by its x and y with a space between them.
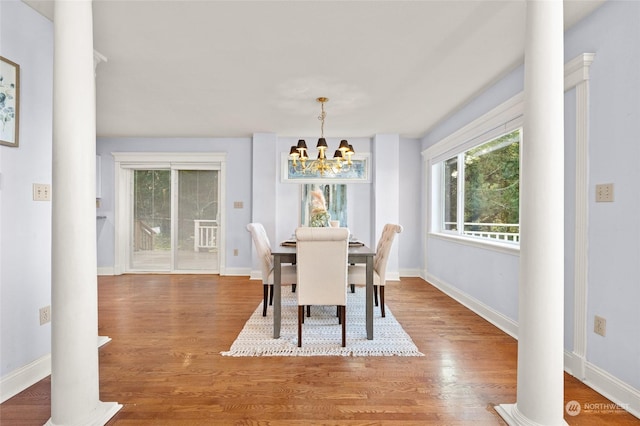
pixel 164 364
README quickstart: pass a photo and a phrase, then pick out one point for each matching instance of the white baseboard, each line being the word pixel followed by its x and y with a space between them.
pixel 103 340
pixel 410 273
pixel 30 374
pixel 496 318
pixel 109 270
pixel 106 270
pixel 597 379
pixel 393 276
pixel 23 377
pixel 575 365
pixel 237 272
pixel 612 388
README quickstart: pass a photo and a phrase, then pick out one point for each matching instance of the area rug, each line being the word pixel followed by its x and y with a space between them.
pixel 321 333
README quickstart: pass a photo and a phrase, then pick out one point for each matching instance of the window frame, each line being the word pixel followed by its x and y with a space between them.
pixel 502 120
pixel 461 190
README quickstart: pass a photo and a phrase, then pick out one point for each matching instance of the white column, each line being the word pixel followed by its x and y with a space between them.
pixel 74 351
pixel 540 387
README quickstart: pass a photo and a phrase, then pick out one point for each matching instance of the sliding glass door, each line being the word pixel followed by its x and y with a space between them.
pixel 197 224
pixel 151 236
pixel 169 213
pixel 175 222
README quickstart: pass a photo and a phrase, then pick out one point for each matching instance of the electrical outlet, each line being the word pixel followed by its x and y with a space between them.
pixel 45 315
pixel 238 204
pixel 604 193
pixel 235 252
pixel 600 325
pixel 41 192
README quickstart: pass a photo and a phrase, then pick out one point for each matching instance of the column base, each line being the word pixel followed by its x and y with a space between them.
pixel 513 417
pixel 100 416
pixel 103 340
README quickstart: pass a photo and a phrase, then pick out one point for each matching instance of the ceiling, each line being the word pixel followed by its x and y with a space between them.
pixel 233 68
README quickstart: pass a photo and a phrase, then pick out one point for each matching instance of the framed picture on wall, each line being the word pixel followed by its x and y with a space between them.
pixel 9 102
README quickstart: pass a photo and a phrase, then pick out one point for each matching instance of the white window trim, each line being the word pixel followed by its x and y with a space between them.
pixel 507 248
pixel 495 122
pixel 124 162
pixel 501 120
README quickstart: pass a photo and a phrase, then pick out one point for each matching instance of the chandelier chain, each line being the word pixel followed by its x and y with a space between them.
pixel 321 117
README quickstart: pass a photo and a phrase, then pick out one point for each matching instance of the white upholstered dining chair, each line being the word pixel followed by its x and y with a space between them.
pixel 357 273
pixel 263 249
pixel 321 263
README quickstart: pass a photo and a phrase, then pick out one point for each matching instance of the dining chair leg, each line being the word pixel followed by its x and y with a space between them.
pixel 271 296
pixel 293 288
pixel 375 294
pixel 382 300
pixel 265 297
pixel 343 315
pixel 338 313
pixel 300 321
pixel 308 310
pixel 353 288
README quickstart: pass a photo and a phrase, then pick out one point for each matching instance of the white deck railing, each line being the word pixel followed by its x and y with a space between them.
pixel 144 236
pixel 512 237
pixel 205 234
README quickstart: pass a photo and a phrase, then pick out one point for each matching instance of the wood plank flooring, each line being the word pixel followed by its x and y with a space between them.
pixel 164 364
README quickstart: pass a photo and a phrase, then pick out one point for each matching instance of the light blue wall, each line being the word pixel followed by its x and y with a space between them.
pixel 238 180
pixel 612 33
pixel 25 225
pixel 253 179
pixel 490 277
pixel 410 247
pixel 495 95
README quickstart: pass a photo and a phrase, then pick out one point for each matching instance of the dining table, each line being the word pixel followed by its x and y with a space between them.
pixel 286 253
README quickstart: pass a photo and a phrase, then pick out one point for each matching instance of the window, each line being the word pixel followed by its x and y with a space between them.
pixel 480 190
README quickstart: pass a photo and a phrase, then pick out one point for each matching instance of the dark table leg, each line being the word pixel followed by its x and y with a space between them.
pixel 277 300
pixel 369 295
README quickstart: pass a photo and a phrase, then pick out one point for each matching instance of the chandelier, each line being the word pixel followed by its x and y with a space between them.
pixel 341 158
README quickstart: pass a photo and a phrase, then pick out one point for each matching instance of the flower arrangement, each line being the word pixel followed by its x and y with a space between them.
pixel 319 215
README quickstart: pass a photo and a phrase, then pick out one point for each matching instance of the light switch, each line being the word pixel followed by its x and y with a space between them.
pixel 238 204
pixel 41 192
pixel 604 193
